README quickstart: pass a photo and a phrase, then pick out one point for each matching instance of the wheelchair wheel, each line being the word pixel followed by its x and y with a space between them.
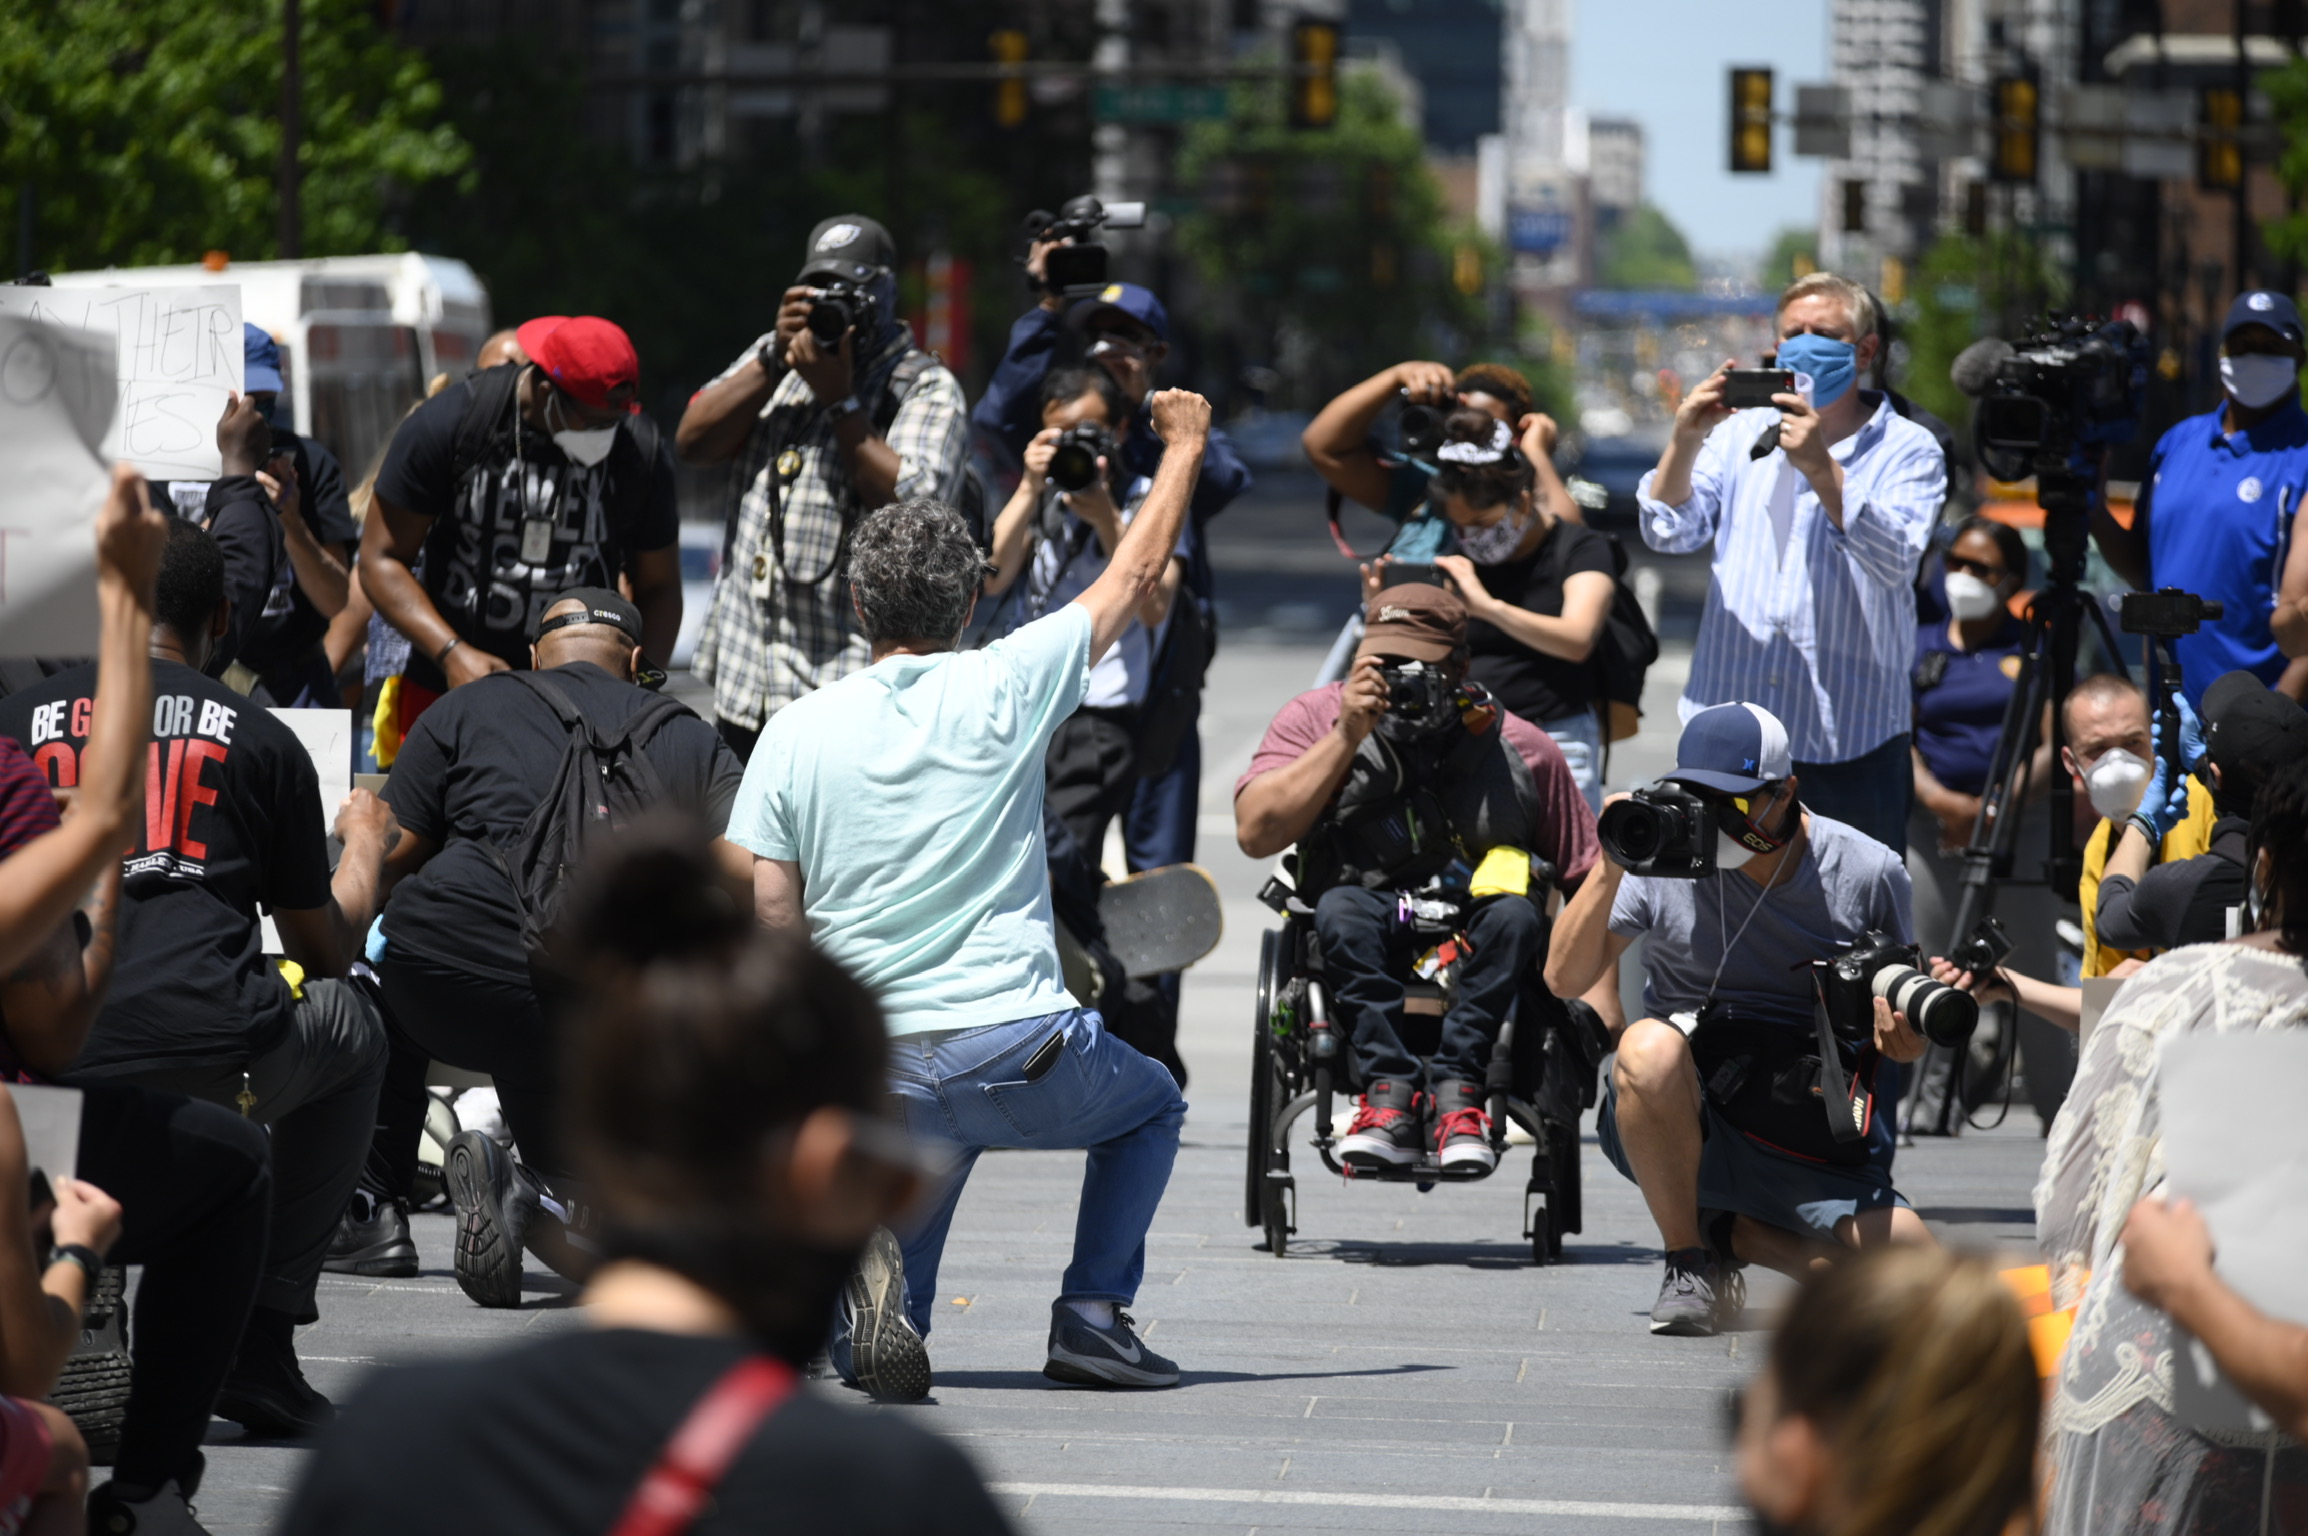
pixel 1261 1084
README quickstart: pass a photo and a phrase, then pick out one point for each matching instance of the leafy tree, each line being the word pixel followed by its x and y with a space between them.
pixel 1646 252
pixel 2287 91
pixel 1329 250
pixel 146 131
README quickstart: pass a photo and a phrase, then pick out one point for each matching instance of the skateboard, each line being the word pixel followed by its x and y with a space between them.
pixel 1161 920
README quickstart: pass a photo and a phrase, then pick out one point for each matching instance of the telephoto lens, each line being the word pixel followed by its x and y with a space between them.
pixel 1074 460
pixel 1946 1015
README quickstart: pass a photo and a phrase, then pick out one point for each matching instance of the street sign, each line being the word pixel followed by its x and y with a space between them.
pixel 1538 231
pixel 1162 103
pixel 1823 122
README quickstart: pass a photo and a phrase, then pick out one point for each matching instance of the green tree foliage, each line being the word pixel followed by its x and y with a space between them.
pixel 147 130
pixel 1331 246
pixel 2287 91
pixel 1960 290
pixel 1793 252
pixel 1646 252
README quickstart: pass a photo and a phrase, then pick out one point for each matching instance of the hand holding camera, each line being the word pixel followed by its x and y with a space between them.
pixel 828 368
pixel 792 319
pixel 1364 700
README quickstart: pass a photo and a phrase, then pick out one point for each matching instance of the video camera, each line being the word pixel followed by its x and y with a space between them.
pixel 1074 459
pixel 1078 271
pixel 1663 830
pixel 2075 385
pixel 1877 965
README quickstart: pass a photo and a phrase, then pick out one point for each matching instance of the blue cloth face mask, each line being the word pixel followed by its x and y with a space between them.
pixel 1831 366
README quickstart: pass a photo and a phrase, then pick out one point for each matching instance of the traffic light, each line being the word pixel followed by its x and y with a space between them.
pixel 1009 47
pixel 1854 208
pixel 2220 154
pixel 2018 128
pixel 1751 122
pixel 1313 74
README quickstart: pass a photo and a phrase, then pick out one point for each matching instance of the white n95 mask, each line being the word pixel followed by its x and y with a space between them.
pixel 1970 598
pixel 2115 783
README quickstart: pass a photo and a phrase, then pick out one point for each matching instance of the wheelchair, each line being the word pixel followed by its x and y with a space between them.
pixel 1542 1074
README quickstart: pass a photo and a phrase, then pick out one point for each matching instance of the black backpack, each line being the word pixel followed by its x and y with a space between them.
pixel 1629 647
pixel 604 783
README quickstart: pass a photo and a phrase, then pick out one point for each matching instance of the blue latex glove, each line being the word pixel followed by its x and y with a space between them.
pixel 2192 752
pixel 2165 802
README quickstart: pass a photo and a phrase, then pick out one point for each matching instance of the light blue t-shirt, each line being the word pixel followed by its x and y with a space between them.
pixel 911 796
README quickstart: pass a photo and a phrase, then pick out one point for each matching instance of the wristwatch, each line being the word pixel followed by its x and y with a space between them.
pixel 90 1261
pixel 842 409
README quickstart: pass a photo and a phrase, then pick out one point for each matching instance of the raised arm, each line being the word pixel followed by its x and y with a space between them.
pixel 1134 572
pixel 1281 805
pixel 1337 440
pixel 1583 949
pixel 46 878
pixel 722 414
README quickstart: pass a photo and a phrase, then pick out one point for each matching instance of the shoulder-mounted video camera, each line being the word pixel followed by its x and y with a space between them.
pixel 2076 384
pixel 1078 271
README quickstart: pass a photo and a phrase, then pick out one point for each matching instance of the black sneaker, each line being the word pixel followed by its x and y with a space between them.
pixel 1690 1303
pixel 1084 1355
pixel 267 1393
pixel 1386 1130
pixel 372 1238
pixel 168 1512
pixel 889 1358
pixel 493 1204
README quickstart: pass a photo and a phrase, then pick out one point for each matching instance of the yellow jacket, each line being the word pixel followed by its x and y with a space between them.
pixel 2186 840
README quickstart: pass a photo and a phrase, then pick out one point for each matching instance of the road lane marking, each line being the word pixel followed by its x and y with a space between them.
pixel 1575 1509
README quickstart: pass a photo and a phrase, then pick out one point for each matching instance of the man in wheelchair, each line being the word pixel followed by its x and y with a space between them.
pixel 1708 1106
pixel 1419 808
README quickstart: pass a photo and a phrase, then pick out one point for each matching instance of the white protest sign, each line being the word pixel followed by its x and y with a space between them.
pixel 2231 1105
pixel 179 358
pixel 327 737
pixel 56 399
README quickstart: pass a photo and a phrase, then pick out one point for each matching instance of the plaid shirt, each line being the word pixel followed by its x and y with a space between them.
pixel 773 635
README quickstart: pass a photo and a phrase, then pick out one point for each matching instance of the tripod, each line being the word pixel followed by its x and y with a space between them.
pixel 2055 620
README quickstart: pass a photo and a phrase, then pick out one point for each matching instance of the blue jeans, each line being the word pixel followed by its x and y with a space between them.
pixel 1580 738
pixel 963 1093
pixel 1367 952
pixel 1870 791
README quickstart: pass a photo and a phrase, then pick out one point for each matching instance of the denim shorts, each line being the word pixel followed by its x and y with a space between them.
pixel 1737 1175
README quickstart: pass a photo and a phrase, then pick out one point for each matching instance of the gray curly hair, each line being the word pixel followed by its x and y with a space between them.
pixel 915 568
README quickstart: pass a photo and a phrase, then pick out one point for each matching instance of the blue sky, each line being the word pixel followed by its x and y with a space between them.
pixel 1665 63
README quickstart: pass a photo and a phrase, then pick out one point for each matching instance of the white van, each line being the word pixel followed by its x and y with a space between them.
pixel 359 335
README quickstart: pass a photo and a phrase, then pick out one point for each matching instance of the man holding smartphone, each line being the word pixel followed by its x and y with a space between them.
pixel 1819 508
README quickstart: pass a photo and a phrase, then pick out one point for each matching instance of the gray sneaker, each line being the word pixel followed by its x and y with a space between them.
pixel 1086 1356
pixel 1690 1302
pixel 889 1358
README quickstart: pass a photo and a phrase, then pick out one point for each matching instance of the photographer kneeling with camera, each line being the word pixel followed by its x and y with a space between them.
pixel 1413 796
pixel 1769 1002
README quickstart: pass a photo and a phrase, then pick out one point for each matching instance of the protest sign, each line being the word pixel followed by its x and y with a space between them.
pixel 178 357
pixel 327 737
pixel 56 399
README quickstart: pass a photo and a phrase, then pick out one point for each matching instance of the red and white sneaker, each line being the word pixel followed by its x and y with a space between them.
pixel 1462 1128
pixel 1385 1133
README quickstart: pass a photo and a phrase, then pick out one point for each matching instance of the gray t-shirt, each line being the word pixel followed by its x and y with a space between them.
pixel 1846 884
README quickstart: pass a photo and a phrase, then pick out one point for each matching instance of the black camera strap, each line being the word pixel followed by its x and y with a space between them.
pixel 1849 1105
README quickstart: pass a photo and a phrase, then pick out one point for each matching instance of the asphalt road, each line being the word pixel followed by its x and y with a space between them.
pixel 1404 1368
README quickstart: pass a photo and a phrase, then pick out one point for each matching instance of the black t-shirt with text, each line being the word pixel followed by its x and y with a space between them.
pixel 232 821
pixel 551 1440
pixel 1534 685
pixel 523 525
pixel 289 625
pixel 475 766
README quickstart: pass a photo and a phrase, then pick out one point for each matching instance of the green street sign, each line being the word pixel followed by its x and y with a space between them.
pixel 1164 103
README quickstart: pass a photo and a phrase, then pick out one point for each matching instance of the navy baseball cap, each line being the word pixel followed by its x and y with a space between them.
pixel 2261 307
pixel 1129 299
pixel 260 356
pixel 1732 748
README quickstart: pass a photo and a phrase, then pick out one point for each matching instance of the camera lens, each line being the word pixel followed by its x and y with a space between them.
pixel 1073 466
pixel 828 318
pixel 1945 1014
pixel 1632 831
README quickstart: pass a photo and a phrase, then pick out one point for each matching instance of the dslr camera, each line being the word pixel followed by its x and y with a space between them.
pixel 840 305
pixel 1661 829
pixel 1420 427
pixel 1877 965
pixel 1074 459
pixel 2072 386
pixel 1078 271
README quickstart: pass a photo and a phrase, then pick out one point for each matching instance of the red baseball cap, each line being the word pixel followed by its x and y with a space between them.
pixel 584 354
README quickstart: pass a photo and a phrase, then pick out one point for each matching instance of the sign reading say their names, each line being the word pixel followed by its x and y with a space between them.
pixel 178 358
pixel 56 401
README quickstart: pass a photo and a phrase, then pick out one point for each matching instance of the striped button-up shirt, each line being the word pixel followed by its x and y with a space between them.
pixel 775 634
pixel 1813 622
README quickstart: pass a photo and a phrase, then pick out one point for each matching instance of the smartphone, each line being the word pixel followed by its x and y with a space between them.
pixel 1746 388
pixel 1402 572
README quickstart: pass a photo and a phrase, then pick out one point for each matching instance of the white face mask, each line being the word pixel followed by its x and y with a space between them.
pixel 587 446
pixel 1730 853
pixel 2255 379
pixel 2115 783
pixel 1970 598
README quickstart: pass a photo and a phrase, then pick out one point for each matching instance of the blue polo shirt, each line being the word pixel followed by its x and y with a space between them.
pixel 1959 702
pixel 2219 522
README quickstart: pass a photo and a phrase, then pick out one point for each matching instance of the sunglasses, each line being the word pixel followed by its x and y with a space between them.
pixel 1993 575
